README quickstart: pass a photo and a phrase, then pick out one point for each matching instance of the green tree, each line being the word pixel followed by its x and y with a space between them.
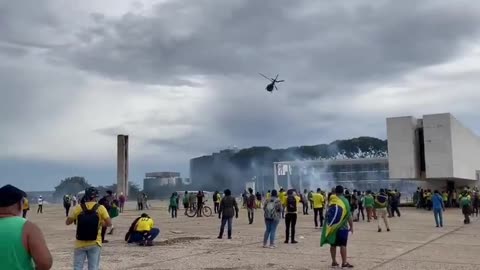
pixel 70 185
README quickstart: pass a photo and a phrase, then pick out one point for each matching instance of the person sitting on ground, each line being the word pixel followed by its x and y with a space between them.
pixel 23 245
pixel 142 231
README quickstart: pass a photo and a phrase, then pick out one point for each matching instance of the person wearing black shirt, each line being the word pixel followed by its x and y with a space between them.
pixel 290 217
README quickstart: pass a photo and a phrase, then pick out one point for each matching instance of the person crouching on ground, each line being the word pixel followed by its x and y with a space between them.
pixel 228 208
pixel 142 231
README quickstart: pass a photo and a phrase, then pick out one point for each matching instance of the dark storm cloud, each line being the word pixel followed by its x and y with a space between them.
pixel 349 42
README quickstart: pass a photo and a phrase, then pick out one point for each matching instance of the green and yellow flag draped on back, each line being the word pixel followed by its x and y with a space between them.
pixel 337 215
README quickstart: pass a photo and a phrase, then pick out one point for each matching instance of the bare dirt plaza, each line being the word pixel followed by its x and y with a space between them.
pixel 191 243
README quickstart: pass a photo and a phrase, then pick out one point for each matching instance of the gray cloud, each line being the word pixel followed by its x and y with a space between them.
pixel 204 57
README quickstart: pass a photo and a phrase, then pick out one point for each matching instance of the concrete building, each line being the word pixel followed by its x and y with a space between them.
pixel 436 148
pixel 154 180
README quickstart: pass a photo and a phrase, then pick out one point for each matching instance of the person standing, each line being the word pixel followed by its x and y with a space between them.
pixel 67 204
pixel 250 205
pixel 369 202
pixel 465 202
pixel 174 204
pixel 361 205
pixel 438 208
pixel 200 198
pixel 335 232
pixel 272 209
pixel 121 201
pixel 228 208
pixel 186 202
pixel 290 217
pixel 283 199
pixel 74 200
pixel 23 245
pixel 90 217
pixel 140 202
pixel 381 204
pixel 305 202
pixel 40 204
pixel 216 201
pixel 318 204
pixel 26 206
pixel 107 202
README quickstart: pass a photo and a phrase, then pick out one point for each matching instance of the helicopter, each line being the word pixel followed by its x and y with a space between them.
pixel 271 85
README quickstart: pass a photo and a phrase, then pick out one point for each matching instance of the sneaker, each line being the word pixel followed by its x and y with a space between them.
pixel 265 246
pixel 379 230
pixel 294 242
pixel 347 265
pixel 388 229
pixel 286 242
pixel 219 237
pixel 273 246
pixel 335 265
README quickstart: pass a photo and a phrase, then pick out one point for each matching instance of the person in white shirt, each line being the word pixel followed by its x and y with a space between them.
pixel 40 205
pixel 74 200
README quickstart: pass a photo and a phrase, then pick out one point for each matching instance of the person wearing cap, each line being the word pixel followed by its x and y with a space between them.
pixel 90 250
pixel 23 245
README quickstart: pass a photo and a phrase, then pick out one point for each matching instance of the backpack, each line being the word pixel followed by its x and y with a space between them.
pixel 88 223
pixel 270 211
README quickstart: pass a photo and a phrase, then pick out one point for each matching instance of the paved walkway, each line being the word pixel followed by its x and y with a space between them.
pixel 190 243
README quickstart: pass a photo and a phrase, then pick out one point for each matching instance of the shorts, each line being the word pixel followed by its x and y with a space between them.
pixel 341 238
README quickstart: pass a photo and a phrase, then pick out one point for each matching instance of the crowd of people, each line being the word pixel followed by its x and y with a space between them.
pixel 334 212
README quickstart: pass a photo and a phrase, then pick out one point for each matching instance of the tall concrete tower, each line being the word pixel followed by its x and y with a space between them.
pixel 122 164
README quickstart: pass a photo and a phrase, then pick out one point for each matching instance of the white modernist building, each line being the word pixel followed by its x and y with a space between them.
pixel 436 148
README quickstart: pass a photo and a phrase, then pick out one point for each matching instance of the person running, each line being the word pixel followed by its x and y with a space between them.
pixel 369 202
pixel 250 205
pixel 174 204
pixel 438 208
pixel 272 210
pixel 381 203
pixel 40 205
pixel 142 231
pixel 318 205
pixel 67 203
pixel 23 245
pixel 290 217
pixel 89 217
pixel 339 224
pixel 26 206
pixel 228 208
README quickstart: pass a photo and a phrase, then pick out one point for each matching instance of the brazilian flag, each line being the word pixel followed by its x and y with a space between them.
pixel 337 215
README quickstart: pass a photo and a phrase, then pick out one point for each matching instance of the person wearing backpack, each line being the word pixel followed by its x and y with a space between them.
pixel 290 217
pixel 272 211
pixel 90 217
pixel 67 204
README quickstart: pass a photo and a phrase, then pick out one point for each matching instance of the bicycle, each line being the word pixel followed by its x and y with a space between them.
pixel 206 210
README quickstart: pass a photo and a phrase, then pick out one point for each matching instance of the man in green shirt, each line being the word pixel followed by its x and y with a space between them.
pixel 22 245
pixel 369 202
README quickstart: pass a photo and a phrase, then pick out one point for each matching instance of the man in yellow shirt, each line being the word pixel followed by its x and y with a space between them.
pixel 25 207
pixel 89 218
pixel 142 231
pixel 318 205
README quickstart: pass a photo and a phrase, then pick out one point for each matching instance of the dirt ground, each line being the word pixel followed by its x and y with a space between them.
pixel 190 243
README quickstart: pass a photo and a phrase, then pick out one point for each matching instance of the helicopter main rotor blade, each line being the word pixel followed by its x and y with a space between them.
pixel 281 81
pixel 276 78
pixel 276 87
pixel 265 77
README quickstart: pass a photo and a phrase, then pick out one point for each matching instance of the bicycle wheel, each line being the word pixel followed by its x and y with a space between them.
pixel 192 212
pixel 207 211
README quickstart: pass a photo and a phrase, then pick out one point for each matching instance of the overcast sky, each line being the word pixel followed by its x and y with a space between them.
pixel 181 78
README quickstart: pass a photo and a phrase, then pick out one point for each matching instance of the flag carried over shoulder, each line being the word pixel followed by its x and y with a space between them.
pixel 338 214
